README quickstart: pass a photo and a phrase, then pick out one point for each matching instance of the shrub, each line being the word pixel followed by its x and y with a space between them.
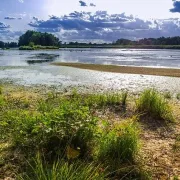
pixel 153 104
pixel 68 124
pixel 62 170
pixel 119 144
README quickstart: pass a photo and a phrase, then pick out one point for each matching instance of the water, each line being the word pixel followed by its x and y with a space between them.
pixel 129 57
pixel 33 68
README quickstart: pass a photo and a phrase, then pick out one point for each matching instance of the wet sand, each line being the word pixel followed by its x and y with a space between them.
pixel 124 69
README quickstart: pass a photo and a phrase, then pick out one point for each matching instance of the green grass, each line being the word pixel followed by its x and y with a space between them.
pixel 153 104
pixel 119 144
pixel 62 170
pixel 73 140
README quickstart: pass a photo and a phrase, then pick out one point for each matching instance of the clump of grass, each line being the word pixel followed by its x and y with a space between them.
pixel 62 170
pixel 119 144
pixel 153 104
pixel 167 95
pixel 178 96
pixel 105 100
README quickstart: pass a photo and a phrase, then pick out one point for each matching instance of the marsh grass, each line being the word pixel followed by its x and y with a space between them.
pixel 151 103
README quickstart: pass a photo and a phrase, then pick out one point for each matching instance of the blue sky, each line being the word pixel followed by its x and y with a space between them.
pixel 90 20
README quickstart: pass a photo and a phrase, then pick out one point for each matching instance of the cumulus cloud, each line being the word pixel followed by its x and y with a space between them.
pixel 9 18
pixel 21 1
pixel 4 26
pixel 176 7
pixel 102 26
pixel 82 3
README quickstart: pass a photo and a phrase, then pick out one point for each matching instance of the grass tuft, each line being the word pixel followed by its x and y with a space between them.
pixel 62 170
pixel 119 144
pixel 151 103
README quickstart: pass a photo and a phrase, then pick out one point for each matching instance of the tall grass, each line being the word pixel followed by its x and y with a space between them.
pixel 62 170
pixel 153 104
pixel 104 100
pixel 119 144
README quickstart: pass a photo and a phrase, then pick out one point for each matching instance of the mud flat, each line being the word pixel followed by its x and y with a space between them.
pixel 124 69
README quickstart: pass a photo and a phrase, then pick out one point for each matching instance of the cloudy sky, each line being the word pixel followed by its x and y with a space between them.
pixel 90 20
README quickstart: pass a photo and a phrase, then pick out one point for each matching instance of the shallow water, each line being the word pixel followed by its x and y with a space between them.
pixel 21 67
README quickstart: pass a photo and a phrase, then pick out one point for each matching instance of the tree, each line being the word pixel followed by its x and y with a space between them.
pixel 38 38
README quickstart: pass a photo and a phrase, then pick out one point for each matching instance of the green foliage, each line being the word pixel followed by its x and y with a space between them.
pixel 62 170
pixel 37 47
pixel 54 128
pixel 119 144
pixel 38 38
pixel 153 104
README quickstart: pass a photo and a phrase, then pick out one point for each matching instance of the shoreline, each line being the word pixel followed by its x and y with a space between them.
pixel 124 69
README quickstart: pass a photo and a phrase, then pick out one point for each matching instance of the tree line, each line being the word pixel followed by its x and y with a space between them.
pixel 150 41
pixel 32 38
pixel 4 45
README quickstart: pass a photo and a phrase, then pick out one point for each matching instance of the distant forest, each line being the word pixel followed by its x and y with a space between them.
pixel 32 38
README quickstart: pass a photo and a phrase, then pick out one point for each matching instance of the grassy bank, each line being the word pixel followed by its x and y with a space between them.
pixel 124 69
pixel 86 136
pixel 38 47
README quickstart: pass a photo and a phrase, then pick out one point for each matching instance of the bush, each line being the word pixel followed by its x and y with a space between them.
pixel 119 144
pixel 151 103
pixel 69 124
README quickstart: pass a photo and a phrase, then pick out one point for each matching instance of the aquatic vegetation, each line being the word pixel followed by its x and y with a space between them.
pixel 151 103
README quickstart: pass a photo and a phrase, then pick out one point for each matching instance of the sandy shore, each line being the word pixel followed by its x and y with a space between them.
pixel 124 69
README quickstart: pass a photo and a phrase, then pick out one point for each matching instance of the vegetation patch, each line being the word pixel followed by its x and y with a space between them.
pixel 58 136
pixel 153 104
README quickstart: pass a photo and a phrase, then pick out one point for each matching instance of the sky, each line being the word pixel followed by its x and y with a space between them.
pixel 90 20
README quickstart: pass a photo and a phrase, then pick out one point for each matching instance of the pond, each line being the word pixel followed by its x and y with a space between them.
pixel 34 68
